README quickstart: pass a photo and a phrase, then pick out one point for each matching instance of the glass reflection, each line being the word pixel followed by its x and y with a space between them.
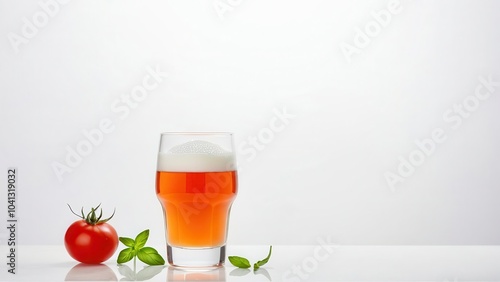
pixel 179 274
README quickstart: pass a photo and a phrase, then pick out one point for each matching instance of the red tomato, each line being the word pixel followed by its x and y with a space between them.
pixel 91 240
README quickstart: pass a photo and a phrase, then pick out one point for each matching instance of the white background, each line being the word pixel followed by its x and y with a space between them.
pixel 322 174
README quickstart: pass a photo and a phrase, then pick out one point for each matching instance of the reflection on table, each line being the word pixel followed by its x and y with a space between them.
pixel 89 272
pixel 179 274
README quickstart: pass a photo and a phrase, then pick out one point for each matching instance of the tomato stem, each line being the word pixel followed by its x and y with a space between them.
pixel 91 217
pixel 74 212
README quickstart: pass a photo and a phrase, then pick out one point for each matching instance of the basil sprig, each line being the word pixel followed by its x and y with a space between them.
pixel 264 261
pixel 239 262
pixel 136 248
pixel 242 262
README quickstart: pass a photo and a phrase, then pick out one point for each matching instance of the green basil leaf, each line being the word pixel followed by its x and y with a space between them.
pixel 127 241
pixel 239 262
pixel 125 255
pixel 141 239
pixel 150 256
pixel 264 261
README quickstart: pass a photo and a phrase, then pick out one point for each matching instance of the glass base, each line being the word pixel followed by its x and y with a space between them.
pixel 203 258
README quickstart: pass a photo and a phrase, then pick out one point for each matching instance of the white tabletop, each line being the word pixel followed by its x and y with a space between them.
pixel 287 263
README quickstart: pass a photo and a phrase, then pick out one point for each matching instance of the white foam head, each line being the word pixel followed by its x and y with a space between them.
pixel 196 156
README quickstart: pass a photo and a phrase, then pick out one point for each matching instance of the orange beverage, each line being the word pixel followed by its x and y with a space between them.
pixel 196 206
pixel 196 184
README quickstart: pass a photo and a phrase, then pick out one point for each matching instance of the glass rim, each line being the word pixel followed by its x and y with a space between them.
pixel 187 133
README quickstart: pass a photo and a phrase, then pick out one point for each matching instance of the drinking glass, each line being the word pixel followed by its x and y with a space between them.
pixel 196 183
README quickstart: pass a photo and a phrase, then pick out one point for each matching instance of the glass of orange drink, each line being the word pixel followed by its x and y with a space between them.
pixel 196 184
